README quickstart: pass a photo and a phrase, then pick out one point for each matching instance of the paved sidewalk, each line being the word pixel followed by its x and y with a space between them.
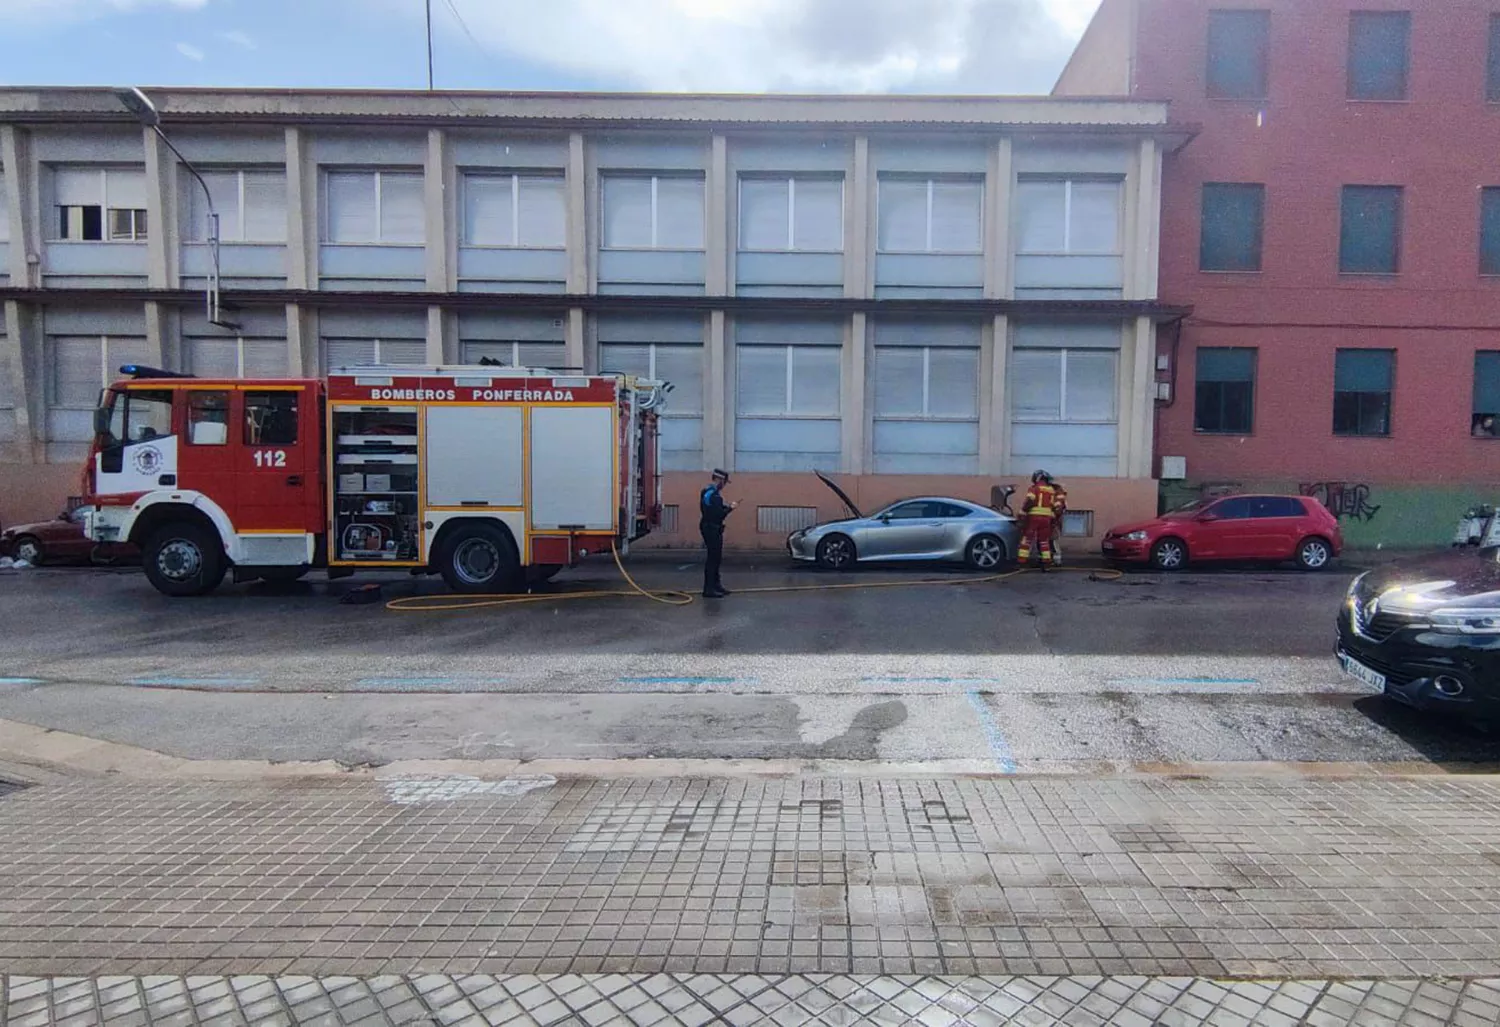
pixel 689 1000
pixel 1005 886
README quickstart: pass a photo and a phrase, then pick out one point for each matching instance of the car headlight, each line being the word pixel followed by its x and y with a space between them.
pixel 1483 622
pixel 1135 536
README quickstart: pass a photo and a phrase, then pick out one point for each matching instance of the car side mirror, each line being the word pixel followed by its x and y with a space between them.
pixel 885 518
pixel 1204 518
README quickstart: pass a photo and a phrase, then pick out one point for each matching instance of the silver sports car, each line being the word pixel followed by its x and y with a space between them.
pixel 922 528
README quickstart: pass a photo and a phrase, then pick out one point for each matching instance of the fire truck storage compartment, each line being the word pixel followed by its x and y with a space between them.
pixel 474 456
pixel 572 468
pixel 376 491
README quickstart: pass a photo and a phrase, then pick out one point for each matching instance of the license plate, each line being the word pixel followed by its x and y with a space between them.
pixel 1108 546
pixel 1360 672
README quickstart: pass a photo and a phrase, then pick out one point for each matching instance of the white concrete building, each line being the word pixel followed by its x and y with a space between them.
pixel 920 293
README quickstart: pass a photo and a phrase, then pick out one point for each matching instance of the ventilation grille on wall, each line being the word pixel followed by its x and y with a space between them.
pixel 782 520
pixel 1078 524
pixel 669 519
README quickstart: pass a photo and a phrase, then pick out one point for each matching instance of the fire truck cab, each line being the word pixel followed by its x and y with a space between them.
pixel 492 477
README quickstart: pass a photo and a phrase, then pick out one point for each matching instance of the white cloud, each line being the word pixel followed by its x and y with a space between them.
pixel 238 38
pixel 190 51
pixel 982 46
pixel 61 10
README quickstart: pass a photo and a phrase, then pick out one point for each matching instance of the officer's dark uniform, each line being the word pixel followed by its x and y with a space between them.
pixel 712 511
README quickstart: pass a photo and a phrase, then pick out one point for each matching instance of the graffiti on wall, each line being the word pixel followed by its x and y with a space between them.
pixel 1346 500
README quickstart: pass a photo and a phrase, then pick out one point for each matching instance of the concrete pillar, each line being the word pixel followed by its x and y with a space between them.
pixel 994 411
pixel 716 257
pixel 718 415
pixel 999 255
pixel 157 326
pixel 576 351
pixel 577 217
pixel 855 395
pixel 1138 401
pixel 858 212
pixel 1143 223
pixel 301 343
pixel 441 248
pixel 301 214
pixel 161 235
pixel 435 334
pixel 17 343
pixel 19 201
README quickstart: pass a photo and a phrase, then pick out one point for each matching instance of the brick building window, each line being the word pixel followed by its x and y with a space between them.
pixel 1233 218
pixel 1489 230
pixel 1370 230
pixel 1486 419
pixel 1379 54
pixel 1362 391
pixel 1224 398
pixel 1492 73
pixel 1239 54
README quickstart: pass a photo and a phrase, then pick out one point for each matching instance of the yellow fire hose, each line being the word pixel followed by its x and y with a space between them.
pixel 675 597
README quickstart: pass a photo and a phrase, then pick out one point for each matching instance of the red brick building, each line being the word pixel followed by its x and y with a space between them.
pixel 1335 226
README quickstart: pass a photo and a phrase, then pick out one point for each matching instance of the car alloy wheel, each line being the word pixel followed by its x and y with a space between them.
pixel 30 550
pixel 985 553
pixel 836 552
pixel 1314 554
pixel 1169 554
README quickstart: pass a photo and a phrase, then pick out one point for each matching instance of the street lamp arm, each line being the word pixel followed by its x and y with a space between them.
pixel 207 195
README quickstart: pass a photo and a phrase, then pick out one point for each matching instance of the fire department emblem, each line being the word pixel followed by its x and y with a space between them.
pixel 147 460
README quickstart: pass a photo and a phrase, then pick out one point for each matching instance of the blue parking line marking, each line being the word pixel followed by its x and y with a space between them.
pixel 999 747
pixel 685 681
pixel 20 681
pixel 1183 681
pixel 896 680
pixel 397 684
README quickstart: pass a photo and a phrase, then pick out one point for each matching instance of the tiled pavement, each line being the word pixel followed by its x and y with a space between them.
pixel 924 886
pixel 689 1000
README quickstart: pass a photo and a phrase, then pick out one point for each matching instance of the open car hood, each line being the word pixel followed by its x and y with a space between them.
pixel 843 496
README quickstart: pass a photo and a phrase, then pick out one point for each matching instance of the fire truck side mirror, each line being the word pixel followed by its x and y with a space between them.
pixel 101 420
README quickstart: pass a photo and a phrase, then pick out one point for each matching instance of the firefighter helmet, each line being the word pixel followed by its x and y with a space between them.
pixel 1040 475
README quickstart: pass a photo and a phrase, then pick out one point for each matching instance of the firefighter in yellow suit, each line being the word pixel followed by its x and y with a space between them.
pixel 1038 509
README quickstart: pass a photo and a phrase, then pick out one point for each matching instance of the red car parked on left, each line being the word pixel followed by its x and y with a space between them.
pixel 59 541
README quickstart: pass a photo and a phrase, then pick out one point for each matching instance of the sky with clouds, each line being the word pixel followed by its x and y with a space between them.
pixel 930 46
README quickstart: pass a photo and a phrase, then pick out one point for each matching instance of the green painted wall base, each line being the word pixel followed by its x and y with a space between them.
pixel 1372 515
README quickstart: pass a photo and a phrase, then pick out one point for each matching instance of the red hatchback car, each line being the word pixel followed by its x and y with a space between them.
pixel 1274 528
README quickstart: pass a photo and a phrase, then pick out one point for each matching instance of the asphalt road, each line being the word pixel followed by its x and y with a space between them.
pixel 1025 673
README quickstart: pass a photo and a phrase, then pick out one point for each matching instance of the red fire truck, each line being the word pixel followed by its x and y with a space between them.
pixel 492 477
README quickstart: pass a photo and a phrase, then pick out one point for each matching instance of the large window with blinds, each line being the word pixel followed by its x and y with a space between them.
pixel 791 214
pixel 1068 216
pixel 788 393
pixel 1485 423
pixel 238 357
pixel 926 414
pixel 250 202
pixel 652 212
pixel 1362 385
pixel 503 209
pixel 681 365
pixel 81 365
pixel 373 207
pixel 1063 387
pixel 98 205
pixel 1224 395
pixel 550 355
pixel 930 215
pixel 1370 229
pixel 339 352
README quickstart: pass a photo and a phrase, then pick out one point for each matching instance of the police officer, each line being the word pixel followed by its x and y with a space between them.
pixel 712 512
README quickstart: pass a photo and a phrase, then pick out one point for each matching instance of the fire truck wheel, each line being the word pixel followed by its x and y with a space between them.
pixel 480 558
pixel 183 559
